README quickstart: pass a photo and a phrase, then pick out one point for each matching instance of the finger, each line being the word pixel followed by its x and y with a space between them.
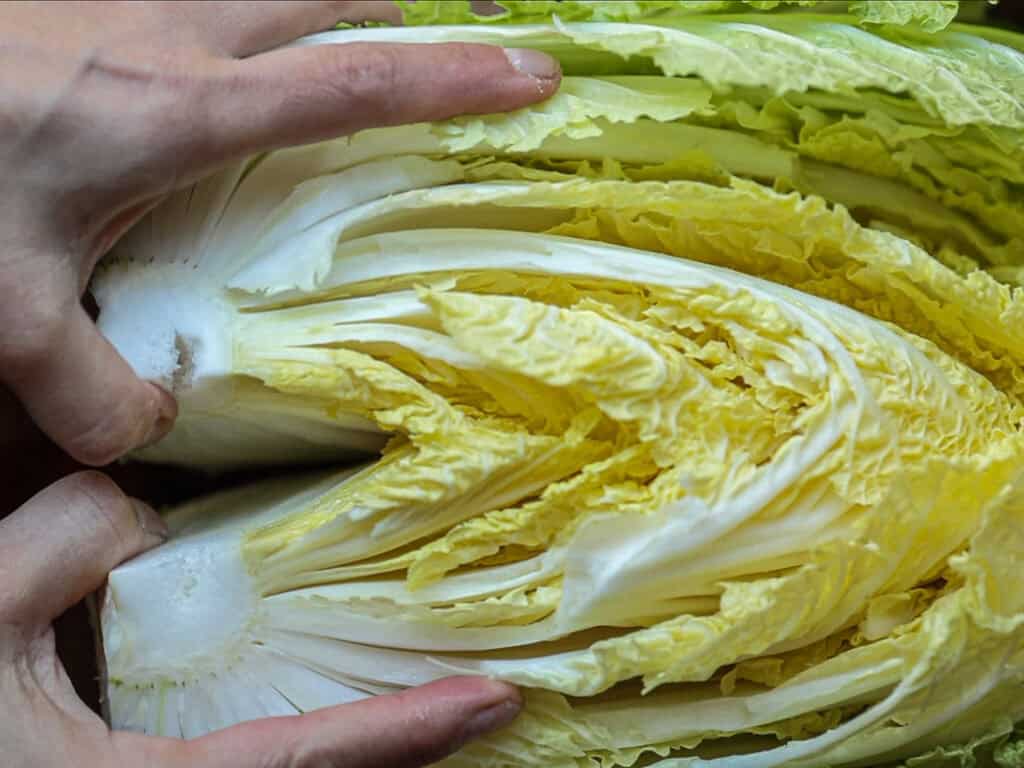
pixel 371 10
pixel 80 391
pixel 242 29
pixel 60 545
pixel 114 229
pixel 413 728
pixel 301 95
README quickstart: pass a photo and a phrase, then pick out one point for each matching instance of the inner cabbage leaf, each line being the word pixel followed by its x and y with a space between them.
pixel 695 394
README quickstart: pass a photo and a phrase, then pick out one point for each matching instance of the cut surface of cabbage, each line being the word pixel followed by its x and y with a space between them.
pixel 690 400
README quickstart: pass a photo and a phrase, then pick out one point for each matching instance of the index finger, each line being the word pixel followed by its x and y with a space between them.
pixel 240 29
pixel 307 94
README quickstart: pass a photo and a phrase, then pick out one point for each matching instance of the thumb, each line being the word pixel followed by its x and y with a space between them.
pixel 82 393
pixel 401 730
pixel 61 544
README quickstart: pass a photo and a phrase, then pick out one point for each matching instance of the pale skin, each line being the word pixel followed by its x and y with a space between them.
pixel 104 109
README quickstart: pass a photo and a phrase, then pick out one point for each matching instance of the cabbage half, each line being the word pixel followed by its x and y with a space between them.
pixel 697 388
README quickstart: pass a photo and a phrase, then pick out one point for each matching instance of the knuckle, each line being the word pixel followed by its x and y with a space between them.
pixel 101 505
pixel 156 95
pixel 97 448
pixel 187 130
pixel 116 432
pixel 365 75
pixel 94 492
pixel 471 58
pixel 376 66
pixel 423 743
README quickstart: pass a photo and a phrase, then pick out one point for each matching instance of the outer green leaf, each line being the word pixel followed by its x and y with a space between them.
pixel 956 78
pixel 928 15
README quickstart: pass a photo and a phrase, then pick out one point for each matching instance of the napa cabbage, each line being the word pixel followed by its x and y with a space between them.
pixel 690 400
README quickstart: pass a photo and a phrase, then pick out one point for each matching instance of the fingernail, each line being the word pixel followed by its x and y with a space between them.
pixel 491 719
pixel 533 63
pixel 150 520
pixel 167 412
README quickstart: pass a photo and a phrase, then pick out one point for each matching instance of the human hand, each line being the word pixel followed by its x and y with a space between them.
pixel 60 545
pixel 105 107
